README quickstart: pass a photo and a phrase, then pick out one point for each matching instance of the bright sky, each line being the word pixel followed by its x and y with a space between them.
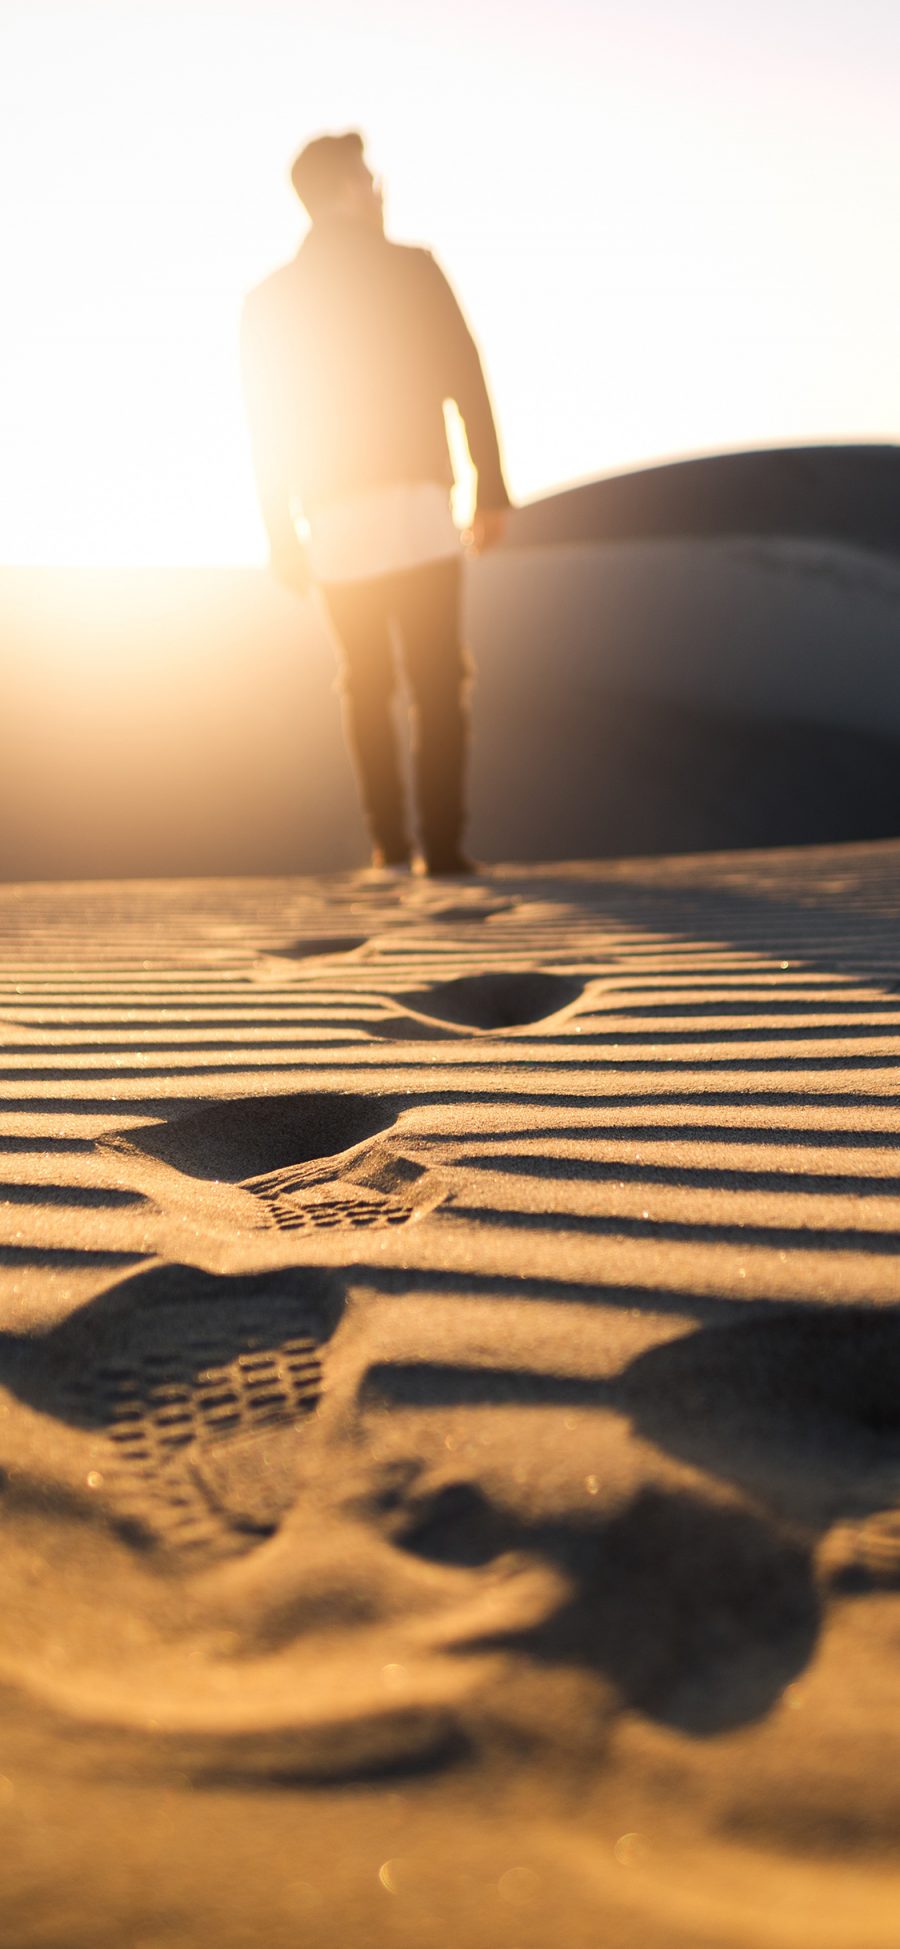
pixel 674 229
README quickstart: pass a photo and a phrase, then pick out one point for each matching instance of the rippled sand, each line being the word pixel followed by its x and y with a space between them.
pixel 449 1417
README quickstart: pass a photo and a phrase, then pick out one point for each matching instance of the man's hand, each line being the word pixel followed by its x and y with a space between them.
pixel 288 563
pixel 488 528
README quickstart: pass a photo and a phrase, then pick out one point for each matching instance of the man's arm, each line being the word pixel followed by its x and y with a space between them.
pixel 466 384
pixel 265 414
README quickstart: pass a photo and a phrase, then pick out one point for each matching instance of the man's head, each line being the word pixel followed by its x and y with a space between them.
pixel 332 179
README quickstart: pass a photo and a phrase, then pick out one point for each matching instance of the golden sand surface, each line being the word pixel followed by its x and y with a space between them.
pixel 449 1408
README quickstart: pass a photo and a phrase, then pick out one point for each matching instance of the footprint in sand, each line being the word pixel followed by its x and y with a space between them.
pixel 699 1610
pixel 736 1400
pixel 700 1606
pixel 177 1550
pixel 320 946
pixel 199 1385
pixel 742 1401
pixel 494 1000
pixel 271 969
pixel 296 1163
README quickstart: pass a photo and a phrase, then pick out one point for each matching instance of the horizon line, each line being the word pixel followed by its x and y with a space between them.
pixel 222 564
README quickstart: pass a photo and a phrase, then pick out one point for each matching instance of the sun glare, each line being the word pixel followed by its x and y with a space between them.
pixel 660 249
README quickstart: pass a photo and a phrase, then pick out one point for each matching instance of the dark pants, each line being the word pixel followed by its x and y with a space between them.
pixel 424 605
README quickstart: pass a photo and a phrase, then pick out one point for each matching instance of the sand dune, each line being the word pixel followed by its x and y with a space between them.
pixel 845 494
pixel 448 1421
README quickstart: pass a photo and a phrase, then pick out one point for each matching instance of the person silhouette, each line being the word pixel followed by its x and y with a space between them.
pixel 349 353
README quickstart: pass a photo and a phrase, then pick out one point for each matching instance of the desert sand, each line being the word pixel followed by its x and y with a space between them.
pixel 448 1408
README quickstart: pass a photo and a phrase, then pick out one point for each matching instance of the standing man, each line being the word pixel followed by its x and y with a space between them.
pixel 349 353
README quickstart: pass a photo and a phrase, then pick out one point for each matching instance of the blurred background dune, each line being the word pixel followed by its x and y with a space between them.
pixel 698 656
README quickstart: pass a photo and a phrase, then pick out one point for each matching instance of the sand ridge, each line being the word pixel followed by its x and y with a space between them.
pixel 448 1353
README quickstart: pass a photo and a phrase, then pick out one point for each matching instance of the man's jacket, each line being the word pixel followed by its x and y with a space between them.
pixel 349 353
